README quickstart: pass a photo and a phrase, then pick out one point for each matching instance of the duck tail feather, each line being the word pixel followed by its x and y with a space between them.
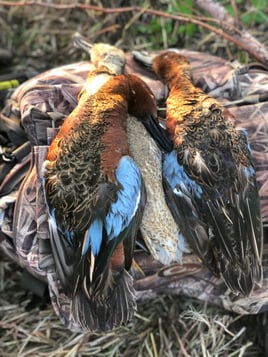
pixel 108 310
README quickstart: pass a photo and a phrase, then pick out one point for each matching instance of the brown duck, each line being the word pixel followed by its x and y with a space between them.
pixel 95 193
pixel 210 179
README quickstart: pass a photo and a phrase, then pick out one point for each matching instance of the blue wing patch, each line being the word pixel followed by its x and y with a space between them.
pixel 123 210
pixel 93 237
pixel 119 216
pixel 177 178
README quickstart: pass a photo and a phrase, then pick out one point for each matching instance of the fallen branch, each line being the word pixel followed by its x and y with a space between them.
pixel 232 27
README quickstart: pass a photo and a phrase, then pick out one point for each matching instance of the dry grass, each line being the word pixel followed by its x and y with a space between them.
pixel 168 326
pixel 34 39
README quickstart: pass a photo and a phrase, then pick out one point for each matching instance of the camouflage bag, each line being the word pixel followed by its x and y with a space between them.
pixel 29 121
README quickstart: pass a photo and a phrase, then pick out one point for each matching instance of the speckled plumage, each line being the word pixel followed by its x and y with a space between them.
pixel 159 230
pixel 95 197
pixel 210 180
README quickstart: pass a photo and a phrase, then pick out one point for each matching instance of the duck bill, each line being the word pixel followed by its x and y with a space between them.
pixel 158 133
pixel 143 59
pixel 81 42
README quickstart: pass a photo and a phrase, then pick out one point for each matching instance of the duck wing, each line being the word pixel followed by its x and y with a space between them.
pixel 185 199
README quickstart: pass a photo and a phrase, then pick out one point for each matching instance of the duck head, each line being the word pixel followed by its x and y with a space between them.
pixel 110 57
pixel 170 65
pixel 166 65
pixel 102 54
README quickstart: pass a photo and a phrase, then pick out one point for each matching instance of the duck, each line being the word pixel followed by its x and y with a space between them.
pixel 158 229
pixel 210 180
pixel 160 232
pixel 95 193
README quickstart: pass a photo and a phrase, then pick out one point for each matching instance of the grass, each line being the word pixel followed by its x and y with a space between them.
pixel 168 326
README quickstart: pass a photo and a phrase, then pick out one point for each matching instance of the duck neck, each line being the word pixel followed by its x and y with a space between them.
pixel 185 103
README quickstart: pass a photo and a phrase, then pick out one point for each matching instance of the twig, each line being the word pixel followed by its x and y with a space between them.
pixel 240 37
pixel 236 15
pixel 228 29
